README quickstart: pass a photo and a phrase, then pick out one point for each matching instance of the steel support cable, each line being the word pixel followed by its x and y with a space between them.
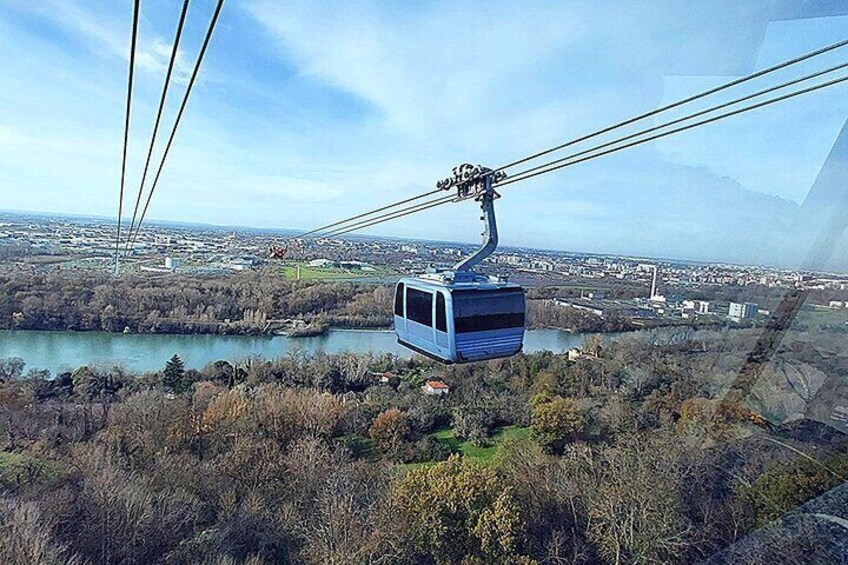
pixel 768 102
pixel 162 99
pixel 698 96
pixel 391 216
pixel 362 215
pixel 191 82
pixel 634 119
pixel 679 120
pixel 445 200
pixel 136 9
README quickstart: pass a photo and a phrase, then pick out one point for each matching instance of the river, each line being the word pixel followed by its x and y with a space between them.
pixel 58 351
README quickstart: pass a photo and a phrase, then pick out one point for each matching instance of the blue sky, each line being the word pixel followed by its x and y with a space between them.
pixel 307 112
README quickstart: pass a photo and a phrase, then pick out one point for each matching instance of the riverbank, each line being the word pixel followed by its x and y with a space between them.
pixel 291 329
pixel 57 351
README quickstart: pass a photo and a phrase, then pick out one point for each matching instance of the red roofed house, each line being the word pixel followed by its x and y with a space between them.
pixel 435 388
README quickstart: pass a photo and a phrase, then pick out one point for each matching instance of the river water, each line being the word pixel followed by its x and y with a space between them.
pixel 58 351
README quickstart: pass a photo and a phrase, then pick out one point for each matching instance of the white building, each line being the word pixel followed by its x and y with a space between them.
pixel 435 388
pixel 696 306
pixel 542 266
pixel 739 311
pixel 172 263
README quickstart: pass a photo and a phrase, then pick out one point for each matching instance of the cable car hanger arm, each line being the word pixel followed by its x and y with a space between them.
pixel 475 181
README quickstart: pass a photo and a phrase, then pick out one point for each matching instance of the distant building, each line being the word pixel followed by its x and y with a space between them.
pixel 147 269
pixel 349 265
pixel 739 311
pixel 242 263
pixel 582 305
pixel 542 265
pixel 696 306
pixel 172 263
pixel 592 295
pixel 836 304
pixel 654 284
pixel 383 377
pixel 435 388
pixel 574 353
pixel 355 266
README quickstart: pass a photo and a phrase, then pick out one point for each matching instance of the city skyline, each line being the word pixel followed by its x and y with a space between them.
pixel 155 228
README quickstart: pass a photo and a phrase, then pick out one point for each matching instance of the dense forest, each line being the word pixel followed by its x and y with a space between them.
pixel 250 302
pixel 247 302
pixel 625 455
pixel 264 301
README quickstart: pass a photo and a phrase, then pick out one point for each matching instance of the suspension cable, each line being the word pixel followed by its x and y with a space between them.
pixel 136 9
pixel 362 215
pixel 439 201
pixel 391 216
pixel 171 62
pixel 534 171
pixel 191 83
pixel 770 101
pixel 698 96
pixel 679 120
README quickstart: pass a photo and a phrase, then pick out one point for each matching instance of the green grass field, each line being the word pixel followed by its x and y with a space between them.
pixel 289 270
pixel 17 468
pixel 485 454
pixel 822 316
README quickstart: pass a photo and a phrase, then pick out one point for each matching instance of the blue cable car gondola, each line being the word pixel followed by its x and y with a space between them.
pixel 457 316
pixel 460 319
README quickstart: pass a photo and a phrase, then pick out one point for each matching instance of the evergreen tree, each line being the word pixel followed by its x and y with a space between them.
pixel 173 377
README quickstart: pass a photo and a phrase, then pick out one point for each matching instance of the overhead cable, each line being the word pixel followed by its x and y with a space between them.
pixel 162 98
pixel 549 168
pixel 391 216
pixel 362 215
pixel 136 8
pixel 191 83
pixel 559 163
pixel 686 118
pixel 556 165
pixel 698 96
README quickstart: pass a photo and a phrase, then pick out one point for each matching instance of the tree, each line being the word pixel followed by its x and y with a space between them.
pixel 27 537
pixel 460 512
pixel 390 431
pixel 223 372
pixel 11 368
pixel 173 377
pixel 556 422
pixel 473 421
pixel 592 345
pixel 783 487
pixel 635 508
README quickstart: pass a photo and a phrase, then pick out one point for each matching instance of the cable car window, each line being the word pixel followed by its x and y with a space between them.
pixel 478 311
pixel 441 314
pixel 399 300
pixel 419 306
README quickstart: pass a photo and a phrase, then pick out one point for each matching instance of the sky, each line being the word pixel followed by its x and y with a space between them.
pixel 308 112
